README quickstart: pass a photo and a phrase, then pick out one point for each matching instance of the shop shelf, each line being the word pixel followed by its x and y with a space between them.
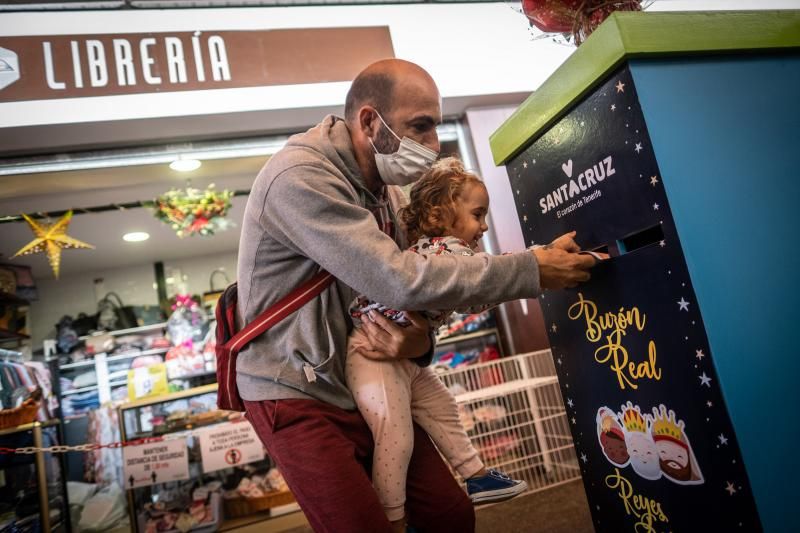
pixel 79 391
pixel 466 336
pixel 112 358
pixel 129 331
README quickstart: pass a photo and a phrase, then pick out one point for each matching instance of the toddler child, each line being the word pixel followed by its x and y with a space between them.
pixel 446 215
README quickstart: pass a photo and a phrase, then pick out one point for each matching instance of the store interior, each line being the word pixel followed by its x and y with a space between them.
pixel 125 334
pixel 118 235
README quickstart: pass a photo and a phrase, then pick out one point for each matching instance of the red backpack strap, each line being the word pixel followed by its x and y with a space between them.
pixel 283 308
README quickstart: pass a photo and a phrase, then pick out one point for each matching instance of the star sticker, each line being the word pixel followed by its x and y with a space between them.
pixel 525 218
pixel 51 239
pixel 730 488
pixel 613 107
pixel 699 354
pixel 584 458
pixel 559 361
pixel 722 439
pixel 554 327
pixel 683 304
pixel 708 403
pixel 569 402
pixel 638 147
pixel 518 192
pixel 653 180
pixel 573 421
pixel 620 87
pixel 655 207
pixel 705 380
pixel 524 164
pixel 662 243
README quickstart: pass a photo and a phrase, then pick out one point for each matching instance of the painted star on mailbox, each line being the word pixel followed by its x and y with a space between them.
pixel 51 239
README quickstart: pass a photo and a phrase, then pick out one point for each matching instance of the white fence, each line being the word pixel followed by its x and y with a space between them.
pixel 513 411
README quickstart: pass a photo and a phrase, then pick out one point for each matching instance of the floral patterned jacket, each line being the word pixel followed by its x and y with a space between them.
pixel 447 245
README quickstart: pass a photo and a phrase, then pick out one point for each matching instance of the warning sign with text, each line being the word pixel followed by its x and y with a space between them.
pixel 159 462
pixel 231 444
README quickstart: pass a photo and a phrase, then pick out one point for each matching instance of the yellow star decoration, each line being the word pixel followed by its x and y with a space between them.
pixel 51 238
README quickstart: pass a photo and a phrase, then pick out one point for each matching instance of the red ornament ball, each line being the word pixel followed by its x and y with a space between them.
pixel 557 16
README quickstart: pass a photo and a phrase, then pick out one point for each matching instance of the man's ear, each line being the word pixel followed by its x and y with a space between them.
pixel 368 121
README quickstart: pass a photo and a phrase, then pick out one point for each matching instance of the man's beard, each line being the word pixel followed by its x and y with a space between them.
pixel 385 142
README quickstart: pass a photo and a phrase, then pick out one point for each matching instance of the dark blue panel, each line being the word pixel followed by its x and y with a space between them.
pixel 725 133
pixel 647 413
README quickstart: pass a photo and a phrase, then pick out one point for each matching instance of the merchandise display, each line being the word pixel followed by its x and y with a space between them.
pixel 183 510
pixel 198 436
pixel 466 339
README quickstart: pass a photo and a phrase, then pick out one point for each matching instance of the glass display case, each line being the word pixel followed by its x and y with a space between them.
pixel 32 486
pixel 196 468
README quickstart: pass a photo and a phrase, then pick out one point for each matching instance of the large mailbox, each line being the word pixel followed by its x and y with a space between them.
pixel 670 142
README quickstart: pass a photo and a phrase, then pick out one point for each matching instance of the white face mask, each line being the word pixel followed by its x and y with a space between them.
pixel 407 164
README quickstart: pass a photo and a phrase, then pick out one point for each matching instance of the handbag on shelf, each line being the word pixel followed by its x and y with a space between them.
pixel 209 300
pixel 112 314
pixel 84 324
pixel 147 315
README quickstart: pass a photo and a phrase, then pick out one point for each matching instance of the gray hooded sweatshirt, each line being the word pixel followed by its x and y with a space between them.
pixel 309 208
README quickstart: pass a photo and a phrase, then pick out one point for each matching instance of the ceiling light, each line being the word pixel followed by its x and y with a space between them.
pixel 136 236
pixel 185 165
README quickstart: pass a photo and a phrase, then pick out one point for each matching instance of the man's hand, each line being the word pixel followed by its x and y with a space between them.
pixel 388 341
pixel 566 242
pixel 560 265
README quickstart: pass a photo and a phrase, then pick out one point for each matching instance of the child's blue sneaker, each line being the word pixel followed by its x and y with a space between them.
pixel 494 487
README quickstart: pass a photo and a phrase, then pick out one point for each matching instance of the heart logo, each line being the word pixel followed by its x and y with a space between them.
pixel 567 168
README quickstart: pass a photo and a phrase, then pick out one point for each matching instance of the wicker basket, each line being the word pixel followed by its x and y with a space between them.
pixel 24 414
pixel 239 506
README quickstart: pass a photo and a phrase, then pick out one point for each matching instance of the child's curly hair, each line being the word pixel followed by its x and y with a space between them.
pixel 432 205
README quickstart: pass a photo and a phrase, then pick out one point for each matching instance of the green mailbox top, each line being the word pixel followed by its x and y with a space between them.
pixel 626 35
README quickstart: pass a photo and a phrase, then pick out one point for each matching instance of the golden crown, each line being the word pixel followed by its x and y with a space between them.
pixel 664 424
pixel 633 420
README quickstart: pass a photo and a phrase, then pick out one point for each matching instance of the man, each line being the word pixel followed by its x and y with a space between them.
pixel 327 200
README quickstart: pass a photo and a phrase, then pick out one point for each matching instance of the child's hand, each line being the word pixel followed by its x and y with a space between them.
pixel 389 341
